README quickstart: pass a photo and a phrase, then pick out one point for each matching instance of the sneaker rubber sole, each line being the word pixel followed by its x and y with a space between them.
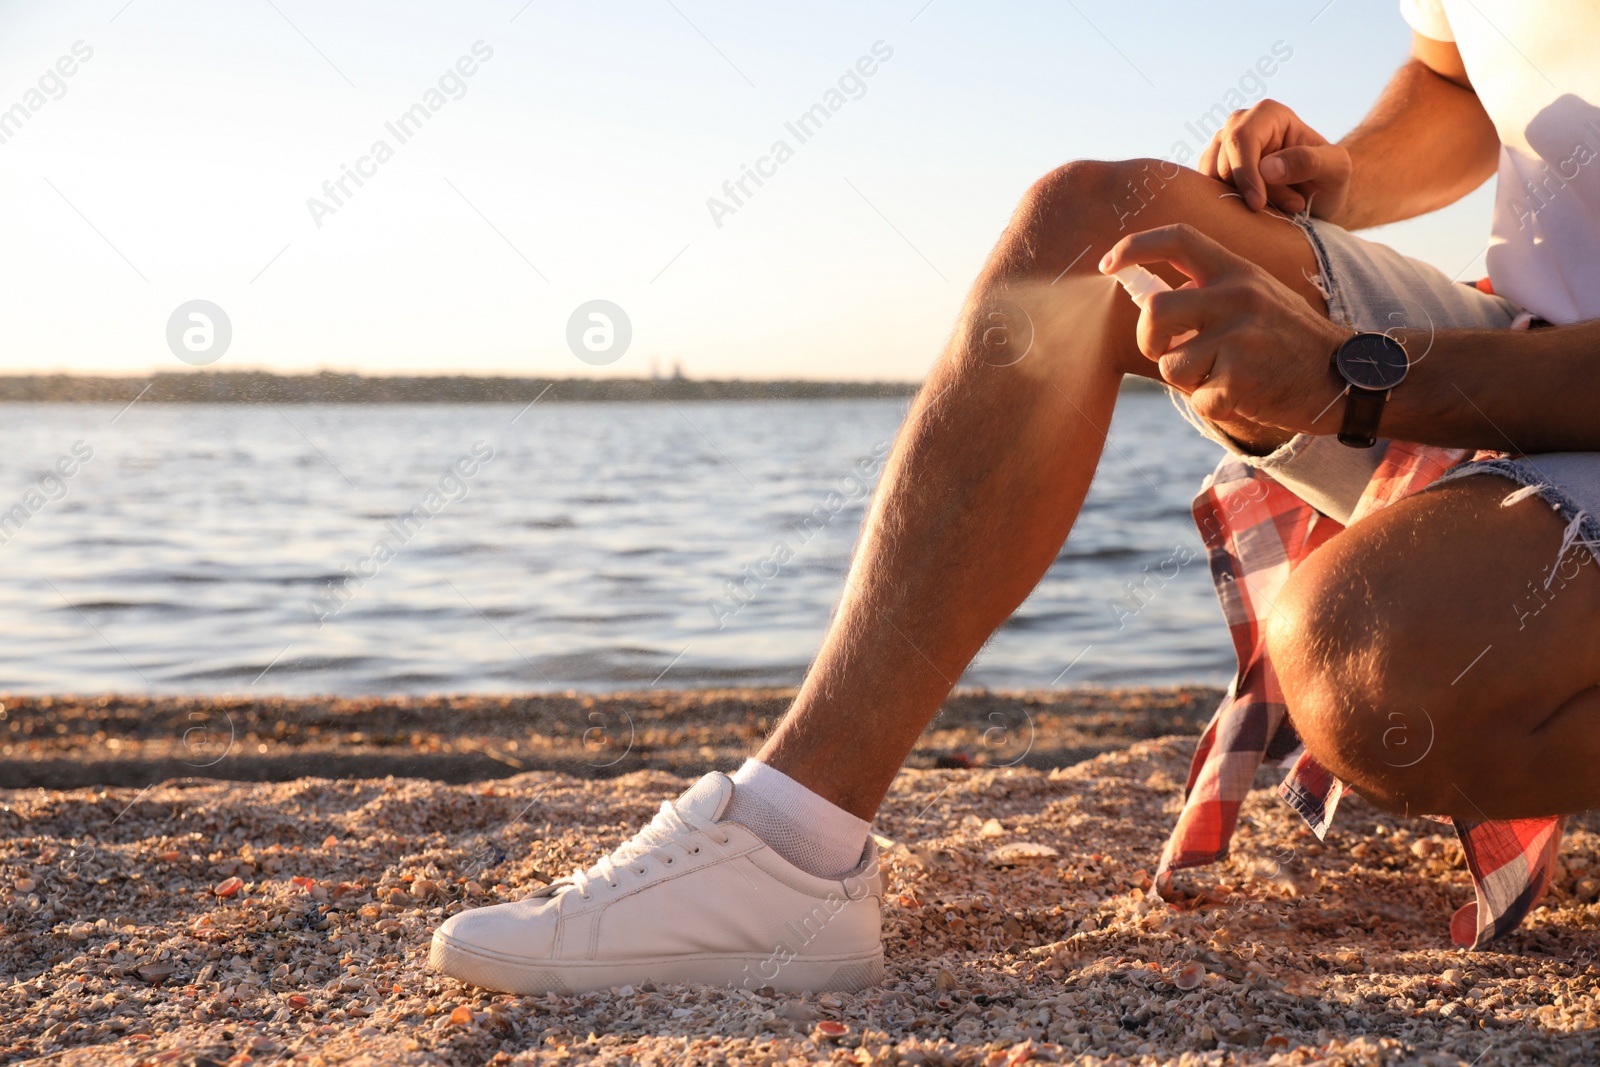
pixel 508 974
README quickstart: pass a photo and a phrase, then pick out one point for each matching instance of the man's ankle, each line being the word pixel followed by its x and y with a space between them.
pixel 814 834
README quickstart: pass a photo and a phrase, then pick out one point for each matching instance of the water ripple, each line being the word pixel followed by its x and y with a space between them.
pixel 208 548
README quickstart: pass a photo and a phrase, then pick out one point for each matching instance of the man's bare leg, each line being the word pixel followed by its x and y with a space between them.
pixel 1424 660
pixel 984 483
pixel 992 465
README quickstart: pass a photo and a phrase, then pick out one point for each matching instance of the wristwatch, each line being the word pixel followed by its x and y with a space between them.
pixel 1371 364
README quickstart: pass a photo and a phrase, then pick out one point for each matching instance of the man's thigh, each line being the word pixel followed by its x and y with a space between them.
pixel 1445 623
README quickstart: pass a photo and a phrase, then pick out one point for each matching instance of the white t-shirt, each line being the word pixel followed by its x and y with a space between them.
pixel 1536 67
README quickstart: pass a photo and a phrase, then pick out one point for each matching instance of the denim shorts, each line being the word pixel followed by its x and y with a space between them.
pixel 1370 287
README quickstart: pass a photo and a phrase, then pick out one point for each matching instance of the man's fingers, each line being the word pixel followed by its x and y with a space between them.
pixel 1183 246
pixel 1209 400
pixel 1243 149
pixel 1188 365
pixel 1249 138
pixel 1296 173
pixel 1177 314
pixel 1306 163
pixel 1285 198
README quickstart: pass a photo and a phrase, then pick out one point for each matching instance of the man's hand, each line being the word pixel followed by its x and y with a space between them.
pixel 1260 355
pixel 1270 156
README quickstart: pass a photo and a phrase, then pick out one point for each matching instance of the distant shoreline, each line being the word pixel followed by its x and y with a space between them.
pixel 262 387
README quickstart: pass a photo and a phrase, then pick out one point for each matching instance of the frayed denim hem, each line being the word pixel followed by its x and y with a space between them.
pixel 1583 528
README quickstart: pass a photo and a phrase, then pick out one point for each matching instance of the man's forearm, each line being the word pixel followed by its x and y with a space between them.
pixel 1537 391
pixel 1426 143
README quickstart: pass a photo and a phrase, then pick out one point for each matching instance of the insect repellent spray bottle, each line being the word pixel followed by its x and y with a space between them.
pixel 1140 284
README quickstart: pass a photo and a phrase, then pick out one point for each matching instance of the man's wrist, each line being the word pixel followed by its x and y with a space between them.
pixel 1331 391
pixel 1370 367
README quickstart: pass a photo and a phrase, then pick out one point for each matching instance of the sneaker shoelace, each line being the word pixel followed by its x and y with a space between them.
pixel 670 830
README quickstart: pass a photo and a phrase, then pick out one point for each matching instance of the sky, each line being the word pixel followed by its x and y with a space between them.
pixel 583 159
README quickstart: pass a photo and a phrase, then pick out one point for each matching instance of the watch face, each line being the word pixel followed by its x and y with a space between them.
pixel 1373 361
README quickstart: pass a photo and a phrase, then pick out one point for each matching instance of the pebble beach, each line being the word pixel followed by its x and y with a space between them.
pixel 255 882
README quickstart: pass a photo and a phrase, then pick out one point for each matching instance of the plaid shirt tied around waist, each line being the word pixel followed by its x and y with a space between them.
pixel 1256 532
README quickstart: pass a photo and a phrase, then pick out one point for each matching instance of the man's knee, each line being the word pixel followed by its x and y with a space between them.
pixel 1092 202
pixel 1356 708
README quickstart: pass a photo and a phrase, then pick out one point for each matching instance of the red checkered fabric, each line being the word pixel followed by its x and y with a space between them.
pixel 1256 532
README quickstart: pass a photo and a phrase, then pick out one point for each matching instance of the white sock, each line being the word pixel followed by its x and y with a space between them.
pixel 815 835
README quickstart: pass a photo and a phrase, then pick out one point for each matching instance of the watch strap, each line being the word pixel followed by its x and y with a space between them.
pixel 1363 408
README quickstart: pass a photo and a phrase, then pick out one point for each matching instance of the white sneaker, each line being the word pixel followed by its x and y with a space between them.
pixel 688 899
